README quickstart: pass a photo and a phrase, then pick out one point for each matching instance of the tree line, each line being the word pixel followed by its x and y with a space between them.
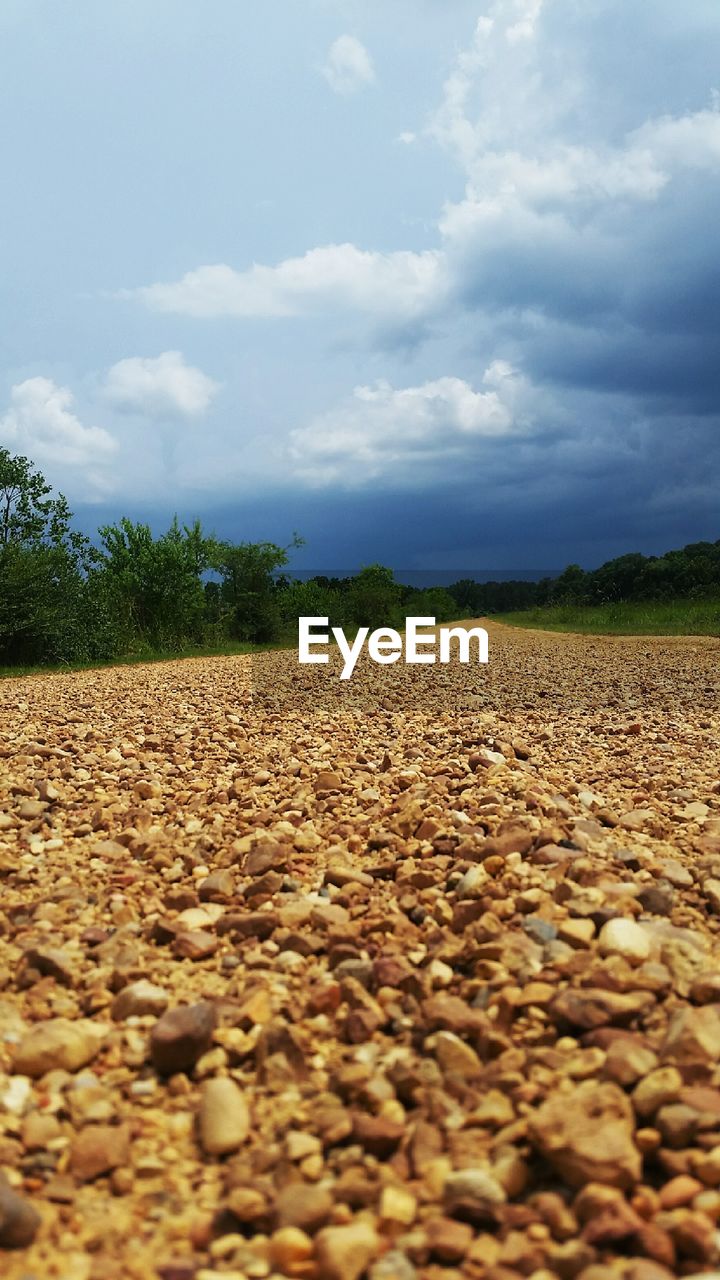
pixel 66 598
pixel 692 572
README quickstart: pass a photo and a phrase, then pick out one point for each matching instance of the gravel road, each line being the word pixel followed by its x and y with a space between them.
pixel 417 976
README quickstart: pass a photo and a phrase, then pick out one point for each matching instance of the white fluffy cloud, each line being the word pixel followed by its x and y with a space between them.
pixel 384 432
pixel 507 119
pixel 528 194
pixel 336 275
pixel 348 66
pixel 159 386
pixel 691 141
pixel 40 423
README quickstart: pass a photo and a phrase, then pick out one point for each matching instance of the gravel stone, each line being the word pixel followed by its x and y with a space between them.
pixel 224 1116
pixel 398 978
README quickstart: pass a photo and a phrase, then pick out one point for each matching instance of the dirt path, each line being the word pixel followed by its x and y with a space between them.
pixel 415 978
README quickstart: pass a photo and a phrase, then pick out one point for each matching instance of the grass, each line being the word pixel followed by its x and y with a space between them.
pixel 228 648
pixel 633 618
pixel 648 618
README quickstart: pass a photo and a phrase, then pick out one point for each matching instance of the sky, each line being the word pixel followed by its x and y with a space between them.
pixel 433 282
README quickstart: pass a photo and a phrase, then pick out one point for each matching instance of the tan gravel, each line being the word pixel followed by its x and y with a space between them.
pixel 418 977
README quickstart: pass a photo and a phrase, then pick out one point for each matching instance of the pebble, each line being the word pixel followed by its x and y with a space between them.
pixel 303 1205
pixel 139 999
pixel 344 1253
pixel 57 1045
pixel 621 937
pixel 98 1149
pixel 290 1250
pixel 693 1035
pixel 655 1090
pixel 627 1061
pixel 433 1014
pixel 181 1036
pixel 224 1120
pixel 393 1266
pixel 398 1205
pixel 19 1219
pixel 587 1135
pixel 456 1057
pixel 472 1193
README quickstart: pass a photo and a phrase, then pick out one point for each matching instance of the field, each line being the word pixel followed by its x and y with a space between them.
pixel 651 617
pixel 415 978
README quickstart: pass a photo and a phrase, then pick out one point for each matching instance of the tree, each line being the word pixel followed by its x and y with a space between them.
pixel 374 598
pixel 43 567
pixel 152 587
pixel 249 592
pixel 28 514
pixel 569 588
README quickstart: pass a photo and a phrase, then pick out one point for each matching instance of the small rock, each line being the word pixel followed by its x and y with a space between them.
pixel 694 1035
pixel 57 1045
pixel 49 962
pixel 29 810
pixel 542 931
pixel 224 1116
pixel 635 819
pixel 343 1253
pixel 577 933
pixel 38 1130
pixel 301 1204
pixel 472 1194
pixel 456 1057
pixel 98 1149
pixel 327 781
pixel 195 944
pixel 657 901
pixel 19 1220
pixel 217 887
pixel 705 988
pixel 290 1250
pixel 448 1240
pixel 621 937
pixel 679 1191
pixel 181 1036
pixel 140 999
pixel 677 875
pixel 474 883
pixel 628 1061
pixel 655 1090
pixel 266 857
pixel 587 1135
pixel 591 1007
pixel 399 1205
pixel 393 1266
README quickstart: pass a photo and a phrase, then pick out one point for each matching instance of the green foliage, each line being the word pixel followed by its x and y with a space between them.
pixel 29 516
pixel 41 599
pixel 152 587
pixel 374 598
pixel 248 600
pixel 678 617
pixel 43 563
pixel 432 602
pixel 312 599
pixel 62 600
pixel 691 573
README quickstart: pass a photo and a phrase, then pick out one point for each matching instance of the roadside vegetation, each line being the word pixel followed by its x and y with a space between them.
pixel 624 618
pixel 131 594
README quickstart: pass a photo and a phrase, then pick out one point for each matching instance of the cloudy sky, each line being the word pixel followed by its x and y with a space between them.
pixel 434 282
